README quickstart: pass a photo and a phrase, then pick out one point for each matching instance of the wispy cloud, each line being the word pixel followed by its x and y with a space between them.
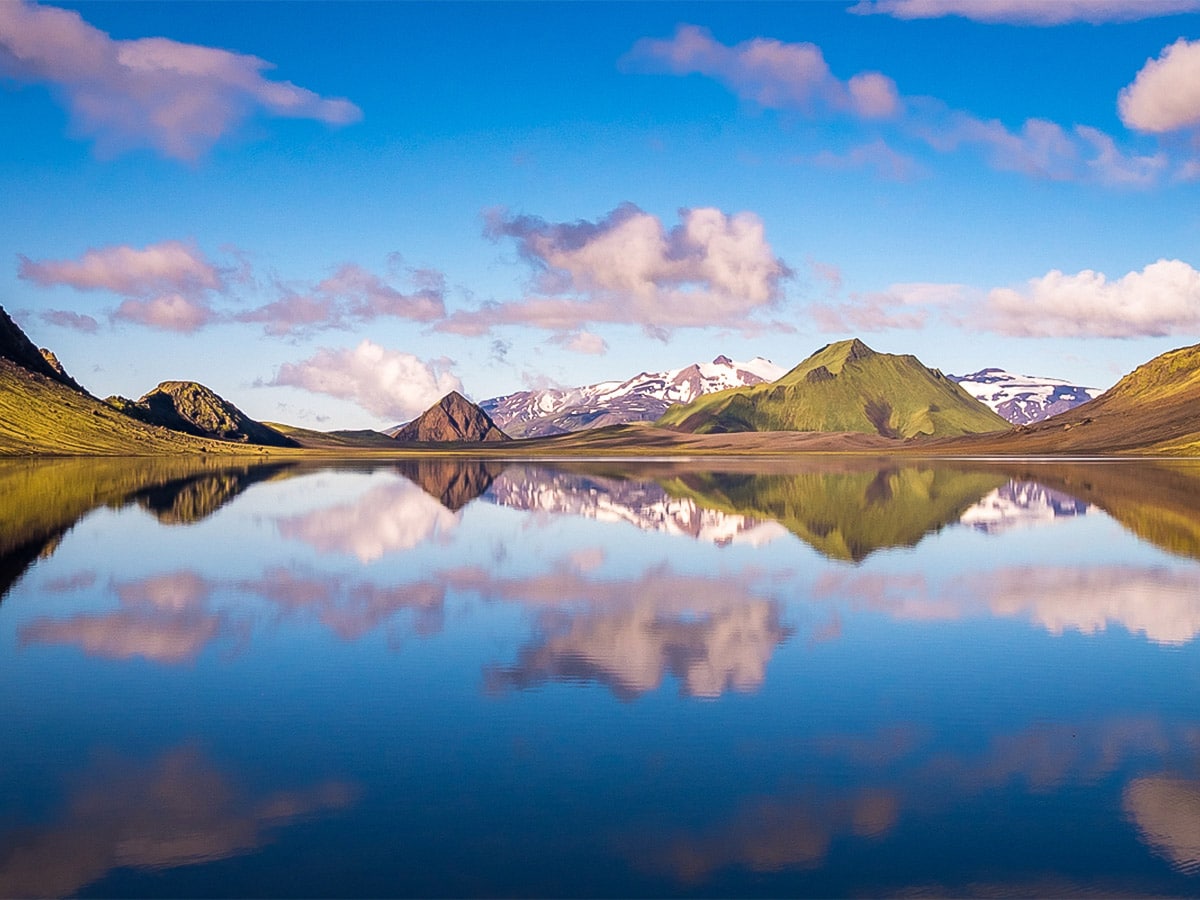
pixel 350 296
pixel 1028 12
pixel 179 99
pixel 900 306
pixel 121 269
pixel 794 76
pixel 386 383
pixel 769 72
pixel 168 286
pixel 65 318
pixel 711 269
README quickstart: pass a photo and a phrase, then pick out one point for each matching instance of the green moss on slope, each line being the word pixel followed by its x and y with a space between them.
pixel 843 387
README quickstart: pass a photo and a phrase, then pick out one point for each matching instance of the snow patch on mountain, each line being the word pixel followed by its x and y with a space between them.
pixel 1024 399
pixel 642 398
pixel 1020 504
pixel 644 505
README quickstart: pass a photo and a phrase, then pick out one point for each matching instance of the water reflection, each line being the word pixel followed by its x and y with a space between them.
pixel 165 619
pixel 1166 811
pixel 644 504
pixel 1019 504
pixel 176 810
pixel 390 518
pixel 887 706
pixel 1160 603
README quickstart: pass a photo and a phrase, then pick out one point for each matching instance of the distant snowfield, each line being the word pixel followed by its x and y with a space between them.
pixel 1024 399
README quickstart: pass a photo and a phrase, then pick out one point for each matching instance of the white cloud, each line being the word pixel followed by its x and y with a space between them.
pixel 387 383
pixel 167 286
pixel 1028 12
pixel 387 519
pixel 795 76
pixel 711 269
pixel 1165 95
pixel 1161 299
pixel 768 72
pixel 179 99
pixel 581 342
pixel 157 268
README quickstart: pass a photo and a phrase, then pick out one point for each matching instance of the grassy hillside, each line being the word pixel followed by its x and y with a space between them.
pixel 1155 409
pixel 844 387
pixel 846 515
pixel 39 415
pixel 334 440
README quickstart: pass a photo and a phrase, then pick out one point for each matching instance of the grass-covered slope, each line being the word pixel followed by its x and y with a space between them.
pixel 843 387
pixel 1154 409
pixel 39 415
pixel 845 515
pixel 361 439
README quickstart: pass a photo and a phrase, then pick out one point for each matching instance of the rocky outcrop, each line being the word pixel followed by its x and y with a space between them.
pixel 194 409
pixel 453 419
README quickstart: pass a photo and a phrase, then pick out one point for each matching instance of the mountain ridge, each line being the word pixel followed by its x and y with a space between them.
pixel 1024 399
pixel 641 398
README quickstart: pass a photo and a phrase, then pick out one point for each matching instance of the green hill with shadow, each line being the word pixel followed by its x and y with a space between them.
pixel 843 387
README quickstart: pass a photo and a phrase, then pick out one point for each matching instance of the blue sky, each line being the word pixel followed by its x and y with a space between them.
pixel 331 213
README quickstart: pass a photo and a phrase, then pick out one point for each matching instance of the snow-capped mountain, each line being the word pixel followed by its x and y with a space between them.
pixel 642 398
pixel 645 505
pixel 1019 504
pixel 1024 399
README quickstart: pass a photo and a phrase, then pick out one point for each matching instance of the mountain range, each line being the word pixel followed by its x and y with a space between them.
pixel 1024 399
pixel 844 398
pixel 844 386
pixel 642 398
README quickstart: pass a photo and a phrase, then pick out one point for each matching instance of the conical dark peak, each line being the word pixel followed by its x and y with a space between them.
pixel 722 360
pixel 454 418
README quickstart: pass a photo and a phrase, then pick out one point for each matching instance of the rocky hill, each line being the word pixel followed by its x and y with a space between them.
pixel 843 387
pixel 453 419
pixel 194 409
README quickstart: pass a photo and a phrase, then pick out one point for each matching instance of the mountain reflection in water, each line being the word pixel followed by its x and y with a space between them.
pixel 738 677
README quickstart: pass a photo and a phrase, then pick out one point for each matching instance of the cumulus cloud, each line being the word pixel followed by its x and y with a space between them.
pixel 1028 12
pixel 1165 95
pixel 179 99
pixel 711 269
pixel 1161 299
pixel 387 383
pixel 768 72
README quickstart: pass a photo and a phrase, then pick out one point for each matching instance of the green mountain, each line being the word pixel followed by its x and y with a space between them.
pixel 843 387
pixel 845 514
pixel 194 409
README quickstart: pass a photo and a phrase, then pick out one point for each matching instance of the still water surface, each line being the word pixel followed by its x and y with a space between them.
pixel 479 678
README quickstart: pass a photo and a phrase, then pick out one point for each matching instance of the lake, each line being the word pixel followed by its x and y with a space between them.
pixel 726 677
